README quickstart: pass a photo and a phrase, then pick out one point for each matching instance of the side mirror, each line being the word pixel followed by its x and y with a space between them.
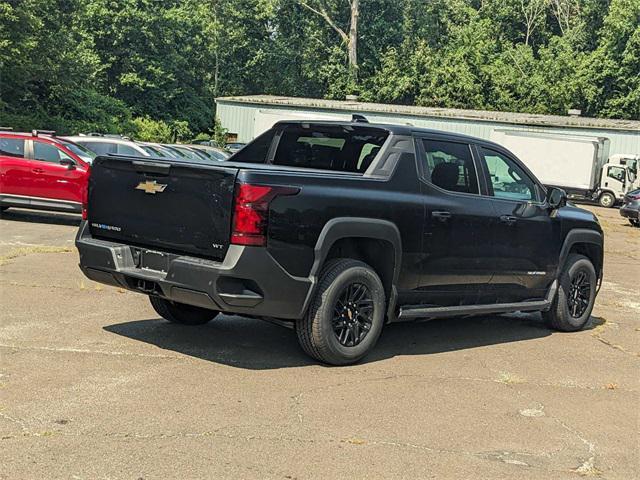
pixel 556 198
pixel 71 165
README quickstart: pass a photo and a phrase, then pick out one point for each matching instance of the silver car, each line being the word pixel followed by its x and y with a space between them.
pixel 107 145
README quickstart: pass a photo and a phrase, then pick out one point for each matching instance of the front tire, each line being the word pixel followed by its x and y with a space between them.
pixel 182 313
pixel 572 306
pixel 607 200
pixel 346 315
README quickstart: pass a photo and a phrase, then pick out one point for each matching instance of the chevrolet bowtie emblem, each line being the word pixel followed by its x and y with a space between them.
pixel 151 187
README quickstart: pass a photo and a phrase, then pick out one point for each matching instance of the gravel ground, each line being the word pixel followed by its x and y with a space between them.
pixel 93 385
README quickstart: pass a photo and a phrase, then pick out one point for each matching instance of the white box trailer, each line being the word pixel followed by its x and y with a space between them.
pixel 577 164
pixel 566 161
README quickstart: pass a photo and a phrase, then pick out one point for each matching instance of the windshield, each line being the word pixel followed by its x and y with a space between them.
pixel 176 152
pixel 84 153
pixel 154 152
pixel 214 154
pixel 191 154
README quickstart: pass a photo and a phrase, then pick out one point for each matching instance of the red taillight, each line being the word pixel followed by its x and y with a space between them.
pixel 251 212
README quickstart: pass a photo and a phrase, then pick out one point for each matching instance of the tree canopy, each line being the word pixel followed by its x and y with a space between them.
pixel 153 68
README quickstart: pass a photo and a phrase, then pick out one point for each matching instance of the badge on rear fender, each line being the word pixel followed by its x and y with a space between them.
pixel 151 187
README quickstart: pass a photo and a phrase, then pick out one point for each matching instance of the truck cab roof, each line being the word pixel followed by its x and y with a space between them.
pixel 392 128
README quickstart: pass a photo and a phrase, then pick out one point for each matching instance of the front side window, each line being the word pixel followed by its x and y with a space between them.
pixel 83 152
pixel 126 150
pixel 12 147
pixel 506 179
pixel 45 152
pixel 449 165
pixel 100 148
pixel 616 173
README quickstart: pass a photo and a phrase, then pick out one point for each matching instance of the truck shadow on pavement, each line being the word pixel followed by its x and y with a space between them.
pixel 37 216
pixel 258 345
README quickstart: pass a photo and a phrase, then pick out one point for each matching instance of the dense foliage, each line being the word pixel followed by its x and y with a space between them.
pixel 152 68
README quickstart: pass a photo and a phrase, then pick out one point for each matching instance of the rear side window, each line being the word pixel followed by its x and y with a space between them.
pixel 337 148
pixel 256 151
pixel 101 148
pixel 12 147
pixel 449 165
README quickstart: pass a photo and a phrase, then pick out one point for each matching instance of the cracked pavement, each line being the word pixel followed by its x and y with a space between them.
pixel 94 386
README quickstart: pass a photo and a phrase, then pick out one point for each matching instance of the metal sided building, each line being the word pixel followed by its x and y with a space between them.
pixel 247 117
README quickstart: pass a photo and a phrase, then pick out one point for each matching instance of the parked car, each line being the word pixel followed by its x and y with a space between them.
pixel 109 145
pixel 187 153
pixel 39 170
pixel 214 153
pixel 157 150
pixel 211 149
pixel 339 228
pixel 631 207
pixel 234 147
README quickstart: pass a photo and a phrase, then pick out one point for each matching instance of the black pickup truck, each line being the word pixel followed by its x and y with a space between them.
pixel 337 228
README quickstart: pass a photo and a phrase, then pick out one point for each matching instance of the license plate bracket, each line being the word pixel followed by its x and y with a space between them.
pixel 152 260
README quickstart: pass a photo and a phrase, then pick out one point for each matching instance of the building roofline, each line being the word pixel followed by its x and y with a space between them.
pixel 431 112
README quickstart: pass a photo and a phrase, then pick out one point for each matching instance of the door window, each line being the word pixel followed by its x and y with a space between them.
pixel 45 152
pixel 506 179
pixel 449 165
pixel 616 173
pixel 127 150
pixel 12 147
pixel 100 148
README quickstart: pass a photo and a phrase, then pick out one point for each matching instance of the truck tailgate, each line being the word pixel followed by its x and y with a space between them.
pixel 176 207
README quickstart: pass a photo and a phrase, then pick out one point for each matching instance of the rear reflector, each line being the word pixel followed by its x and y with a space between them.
pixel 85 196
pixel 251 212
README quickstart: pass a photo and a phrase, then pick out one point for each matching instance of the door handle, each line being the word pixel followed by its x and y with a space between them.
pixel 38 170
pixel 508 219
pixel 441 215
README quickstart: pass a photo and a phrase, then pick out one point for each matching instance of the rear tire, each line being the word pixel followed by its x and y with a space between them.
pixel 346 315
pixel 181 313
pixel 572 306
pixel 607 200
pixel 635 223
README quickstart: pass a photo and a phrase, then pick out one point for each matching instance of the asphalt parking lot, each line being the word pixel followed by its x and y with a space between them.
pixel 93 385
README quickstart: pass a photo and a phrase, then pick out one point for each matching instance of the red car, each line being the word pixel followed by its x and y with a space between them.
pixel 38 170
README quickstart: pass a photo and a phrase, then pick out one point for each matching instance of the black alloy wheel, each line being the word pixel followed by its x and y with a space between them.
pixel 574 300
pixel 352 319
pixel 346 315
pixel 579 293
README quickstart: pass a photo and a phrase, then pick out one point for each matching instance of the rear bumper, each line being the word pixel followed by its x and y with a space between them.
pixel 248 281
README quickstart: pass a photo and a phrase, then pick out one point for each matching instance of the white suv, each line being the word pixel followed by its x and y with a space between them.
pixel 105 145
